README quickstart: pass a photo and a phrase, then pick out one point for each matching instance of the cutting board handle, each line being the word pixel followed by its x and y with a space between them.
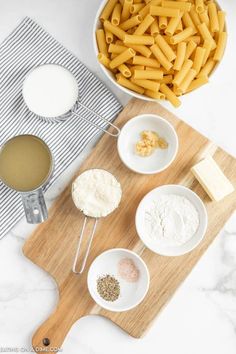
pixel 51 334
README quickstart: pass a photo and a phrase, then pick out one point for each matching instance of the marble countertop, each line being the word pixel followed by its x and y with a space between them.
pixel 201 317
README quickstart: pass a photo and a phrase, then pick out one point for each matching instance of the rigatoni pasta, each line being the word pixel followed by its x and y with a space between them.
pixel 116 14
pixel 161 48
pixel 220 46
pixel 106 12
pixel 147 74
pixel 180 57
pixel 101 41
pixel 214 22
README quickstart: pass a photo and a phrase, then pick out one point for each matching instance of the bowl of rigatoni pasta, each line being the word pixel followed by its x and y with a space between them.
pixel 159 49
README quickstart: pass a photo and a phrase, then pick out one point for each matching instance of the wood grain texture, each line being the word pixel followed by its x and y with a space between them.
pixel 53 244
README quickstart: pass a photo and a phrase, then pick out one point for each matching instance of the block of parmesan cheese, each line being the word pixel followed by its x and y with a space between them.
pixel 212 179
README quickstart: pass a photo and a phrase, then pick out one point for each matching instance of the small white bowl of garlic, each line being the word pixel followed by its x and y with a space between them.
pixel 147 144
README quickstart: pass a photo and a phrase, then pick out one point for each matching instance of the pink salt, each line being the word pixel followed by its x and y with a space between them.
pixel 128 270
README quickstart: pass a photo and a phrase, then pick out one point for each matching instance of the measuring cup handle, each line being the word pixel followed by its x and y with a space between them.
pixel 97 125
pixel 34 206
pixel 79 246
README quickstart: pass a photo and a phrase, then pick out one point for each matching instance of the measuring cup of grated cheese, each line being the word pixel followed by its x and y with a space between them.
pixel 96 193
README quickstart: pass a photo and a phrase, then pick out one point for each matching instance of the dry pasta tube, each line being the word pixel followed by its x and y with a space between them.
pixel 125 71
pixel 155 94
pixel 146 10
pixel 115 48
pixel 125 14
pixel 134 39
pixel 207 68
pixel 101 41
pixel 214 22
pixel 197 83
pixel 172 25
pixel 187 80
pixel 135 8
pixel 205 33
pixel 188 22
pixel 181 5
pixel 121 80
pixel 104 60
pixel 131 22
pixel 179 77
pixel 106 12
pixel 146 84
pixel 199 4
pixel 142 49
pixel 116 14
pixel 207 47
pixel 196 39
pixel 198 59
pixel 118 32
pixel 136 67
pixel 220 46
pixel 154 28
pixel 179 27
pixel 180 37
pixel 165 48
pixel 205 18
pixel 144 25
pixel 161 57
pixel 150 75
pixel 140 60
pixel 122 58
pixel 163 22
pixel 194 16
pixel 221 19
pixel 109 37
pixel 164 11
pixel 181 52
pixel 177 91
pixel 170 95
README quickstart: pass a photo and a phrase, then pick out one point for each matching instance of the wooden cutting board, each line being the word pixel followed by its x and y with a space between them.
pixel 52 246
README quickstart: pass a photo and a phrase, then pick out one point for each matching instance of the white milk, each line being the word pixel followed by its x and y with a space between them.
pixel 50 90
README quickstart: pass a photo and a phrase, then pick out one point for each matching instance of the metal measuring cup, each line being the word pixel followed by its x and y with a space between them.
pixel 86 217
pixel 33 200
pixel 72 110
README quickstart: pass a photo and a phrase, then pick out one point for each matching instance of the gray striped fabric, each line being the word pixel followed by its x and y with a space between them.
pixel 26 47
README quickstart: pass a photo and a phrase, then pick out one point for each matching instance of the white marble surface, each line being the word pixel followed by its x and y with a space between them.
pixel 201 317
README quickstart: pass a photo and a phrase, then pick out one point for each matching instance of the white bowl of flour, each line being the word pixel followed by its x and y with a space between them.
pixel 171 220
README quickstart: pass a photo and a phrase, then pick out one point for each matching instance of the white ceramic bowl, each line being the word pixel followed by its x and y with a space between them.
pixel 130 135
pixel 131 294
pixel 107 73
pixel 159 247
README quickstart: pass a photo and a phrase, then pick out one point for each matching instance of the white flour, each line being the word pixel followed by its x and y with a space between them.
pixel 96 193
pixel 172 219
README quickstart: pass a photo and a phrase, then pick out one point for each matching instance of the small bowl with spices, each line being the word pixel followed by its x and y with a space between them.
pixel 118 280
pixel 147 144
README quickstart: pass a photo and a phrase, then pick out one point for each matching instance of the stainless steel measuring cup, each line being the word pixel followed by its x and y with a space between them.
pixel 72 110
pixel 82 233
pixel 33 200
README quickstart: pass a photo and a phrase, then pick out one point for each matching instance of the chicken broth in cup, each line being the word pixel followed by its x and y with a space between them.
pixel 25 163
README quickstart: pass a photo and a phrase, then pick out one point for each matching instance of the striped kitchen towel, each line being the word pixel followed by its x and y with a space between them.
pixel 26 47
